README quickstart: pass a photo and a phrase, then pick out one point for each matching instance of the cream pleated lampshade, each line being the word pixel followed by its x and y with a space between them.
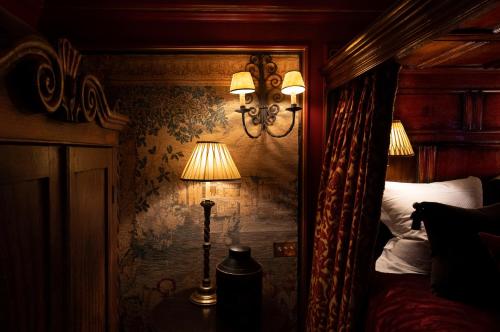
pixel 293 84
pixel 241 83
pixel 210 161
pixel 400 143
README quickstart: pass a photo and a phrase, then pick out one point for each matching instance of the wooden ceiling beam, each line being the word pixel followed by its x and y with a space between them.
pixel 405 26
pixel 495 64
pixel 482 37
pixel 452 53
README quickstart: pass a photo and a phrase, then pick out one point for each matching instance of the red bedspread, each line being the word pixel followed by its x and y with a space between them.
pixel 404 302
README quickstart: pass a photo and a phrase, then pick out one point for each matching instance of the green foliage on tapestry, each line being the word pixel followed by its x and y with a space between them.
pixel 185 112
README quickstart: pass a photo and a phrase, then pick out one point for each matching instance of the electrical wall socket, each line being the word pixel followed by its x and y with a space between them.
pixel 285 249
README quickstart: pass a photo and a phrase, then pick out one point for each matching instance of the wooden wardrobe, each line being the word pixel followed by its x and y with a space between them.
pixel 58 177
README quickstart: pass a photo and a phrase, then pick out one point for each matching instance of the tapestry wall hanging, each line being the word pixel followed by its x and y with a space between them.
pixel 173 100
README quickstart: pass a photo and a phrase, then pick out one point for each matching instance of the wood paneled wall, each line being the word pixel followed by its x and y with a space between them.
pixel 58 263
pixel 452 117
pixel 30 251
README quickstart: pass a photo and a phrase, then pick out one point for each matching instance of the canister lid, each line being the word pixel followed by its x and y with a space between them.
pixel 239 252
pixel 239 262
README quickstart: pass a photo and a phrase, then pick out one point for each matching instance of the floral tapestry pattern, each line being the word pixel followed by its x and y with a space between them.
pixel 173 101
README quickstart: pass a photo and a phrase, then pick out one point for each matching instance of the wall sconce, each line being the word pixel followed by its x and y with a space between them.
pixel 400 143
pixel 263 70
pixel 210 161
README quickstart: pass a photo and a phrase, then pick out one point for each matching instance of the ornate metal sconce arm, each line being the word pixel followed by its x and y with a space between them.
pixel 293 110
pixel 264 119
pixel 265 73
pixel 243 111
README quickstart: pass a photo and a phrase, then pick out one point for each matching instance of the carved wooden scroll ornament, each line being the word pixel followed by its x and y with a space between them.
pixel 56 84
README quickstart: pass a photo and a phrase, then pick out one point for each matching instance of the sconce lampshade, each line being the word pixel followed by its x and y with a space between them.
pixel 241 83
pixel 293 84
pixel 400 143
pixel 210 161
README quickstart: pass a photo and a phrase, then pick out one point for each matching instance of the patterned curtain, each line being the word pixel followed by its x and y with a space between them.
pixel 350 197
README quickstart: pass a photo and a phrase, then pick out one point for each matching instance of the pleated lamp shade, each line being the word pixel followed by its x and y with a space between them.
pixel 400 143
pixel 210 161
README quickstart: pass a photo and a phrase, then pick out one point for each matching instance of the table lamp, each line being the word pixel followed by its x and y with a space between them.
pixel 399 143
pixel 210 161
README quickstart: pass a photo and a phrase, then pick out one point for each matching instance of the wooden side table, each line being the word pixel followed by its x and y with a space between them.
pixel 177 314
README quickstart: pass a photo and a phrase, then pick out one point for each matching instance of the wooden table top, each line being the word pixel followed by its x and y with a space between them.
pixel 178 314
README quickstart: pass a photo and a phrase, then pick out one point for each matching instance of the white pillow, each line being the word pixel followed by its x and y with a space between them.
pixel 409 251
pixel 405 256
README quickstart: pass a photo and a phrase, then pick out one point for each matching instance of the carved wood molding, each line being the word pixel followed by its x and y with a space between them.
pixel 451 79
pixel 451 53
pixel 44 66
pixel 55 84
pixel 405 26
pixel 302 13
pixel 471 37
pixel 454 136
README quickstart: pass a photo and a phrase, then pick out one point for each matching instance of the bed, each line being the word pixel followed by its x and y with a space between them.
pixel 406 302
pixel 449 103
pixel 448 100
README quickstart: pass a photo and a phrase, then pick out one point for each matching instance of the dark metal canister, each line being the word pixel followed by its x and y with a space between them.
pixel 239 291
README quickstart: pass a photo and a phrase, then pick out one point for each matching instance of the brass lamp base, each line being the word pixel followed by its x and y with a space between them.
pixel 204 296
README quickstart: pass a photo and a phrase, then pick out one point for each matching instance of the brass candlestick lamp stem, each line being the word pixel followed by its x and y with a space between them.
pixel 209 162
pixel 205 294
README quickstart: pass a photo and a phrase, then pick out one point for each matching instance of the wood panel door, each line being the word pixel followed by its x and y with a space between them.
pixel 91 240
pixel 31 282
